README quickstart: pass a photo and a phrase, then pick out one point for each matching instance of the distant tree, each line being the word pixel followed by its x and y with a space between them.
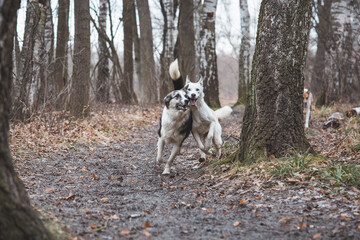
pixel 336 76
pixel 79 98
pixel 25 82
pixel 319 82
pixel 17 219
pixel 168 42
pixel 244 56
pixel 186 39
pixel 102 81
pixel 61 61
pixel 208 58
pixel 147 81
pixel 273 120
pixel 127 87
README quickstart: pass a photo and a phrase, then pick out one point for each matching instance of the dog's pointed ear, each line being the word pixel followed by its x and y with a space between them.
pixel 187 80
pixel 167 99
pixel 201 81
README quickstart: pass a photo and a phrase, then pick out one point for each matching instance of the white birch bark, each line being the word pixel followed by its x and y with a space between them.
pixel 208 64
pixel 244 56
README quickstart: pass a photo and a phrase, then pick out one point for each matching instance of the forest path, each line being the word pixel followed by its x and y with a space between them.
pixel 115 191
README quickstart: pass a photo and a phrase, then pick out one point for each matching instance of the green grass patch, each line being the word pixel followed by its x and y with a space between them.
pixel 342 173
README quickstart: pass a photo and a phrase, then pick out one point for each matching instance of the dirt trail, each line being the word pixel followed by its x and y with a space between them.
pixel 116 192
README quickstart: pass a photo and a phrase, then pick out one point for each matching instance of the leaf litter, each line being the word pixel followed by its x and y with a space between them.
pixel 97 177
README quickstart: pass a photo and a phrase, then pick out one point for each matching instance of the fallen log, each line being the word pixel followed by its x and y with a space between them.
pixel 334 121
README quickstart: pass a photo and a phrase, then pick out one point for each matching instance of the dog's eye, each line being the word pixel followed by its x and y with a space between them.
pixel 177 96
pixel 188 89
pixel 197 89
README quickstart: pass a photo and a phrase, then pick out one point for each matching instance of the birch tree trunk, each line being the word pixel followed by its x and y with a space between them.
pixel 127 87
pixel 166 56
pixel 18 220
pixel 273 121
pixel 244 56
pixel 102 82
pixel 48 68
pixel 23 82
pixel 61 72
pixel 186 40
pixel 148 85
pixel 208 59
pixel 79 98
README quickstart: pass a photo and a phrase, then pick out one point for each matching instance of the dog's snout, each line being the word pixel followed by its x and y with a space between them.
pixel 193 95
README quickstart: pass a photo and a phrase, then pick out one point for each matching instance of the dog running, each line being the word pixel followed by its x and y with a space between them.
pixel 175 121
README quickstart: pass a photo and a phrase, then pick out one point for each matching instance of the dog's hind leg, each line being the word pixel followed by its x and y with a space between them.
pixel 160 145
pixel 218 142
pixel 200 142
pixel 175 150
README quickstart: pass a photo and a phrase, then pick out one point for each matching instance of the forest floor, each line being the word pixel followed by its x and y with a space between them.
pixel 97 179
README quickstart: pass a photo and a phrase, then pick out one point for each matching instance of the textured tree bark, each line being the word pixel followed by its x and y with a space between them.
pixel 61 64
pixel 102 82
pixel 186 39
pixel 273 121
pixel 208 59
pixel 166 56
pixel 23 82
pixel 148 85
pixel 244 64
pixel 48 67
pixel 79 98
pixel 127 88
pixel 17 219
pixel 335 76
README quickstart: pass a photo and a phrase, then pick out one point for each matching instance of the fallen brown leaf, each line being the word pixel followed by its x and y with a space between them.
pixel 317 236
pixel 237 223
pixel 125 232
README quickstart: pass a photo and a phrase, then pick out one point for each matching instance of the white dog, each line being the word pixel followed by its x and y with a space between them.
pixel 308 97
pixel 206 128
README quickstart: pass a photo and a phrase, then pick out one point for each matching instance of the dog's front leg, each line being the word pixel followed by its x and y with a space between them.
pixel 173 154
pixel 199 142
pixel 209 137
pixel 160 145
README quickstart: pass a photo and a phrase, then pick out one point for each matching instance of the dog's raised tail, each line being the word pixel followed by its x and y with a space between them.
pixel 175 75
pixel 174 70
pixel 223 112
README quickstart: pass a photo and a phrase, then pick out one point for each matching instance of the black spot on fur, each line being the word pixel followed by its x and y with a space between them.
pixel 185 129
pixel 178 83
pixel 159 130
pixel 167 99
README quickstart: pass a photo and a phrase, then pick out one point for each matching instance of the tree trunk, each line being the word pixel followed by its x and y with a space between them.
pixel 186 40
pixel 244 64
pixel 127 88
pixel 61 64
pixel 166 56
pixel 21 105
pixel 208 59
pixel 48 68
pixel 148 85
pixel 79 98
pixel 273 121
pixel 102 83
pixel 18 220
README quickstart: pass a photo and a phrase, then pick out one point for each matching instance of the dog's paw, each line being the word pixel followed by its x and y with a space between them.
pixel 166 171
pixel 202 159
pixel 159 160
